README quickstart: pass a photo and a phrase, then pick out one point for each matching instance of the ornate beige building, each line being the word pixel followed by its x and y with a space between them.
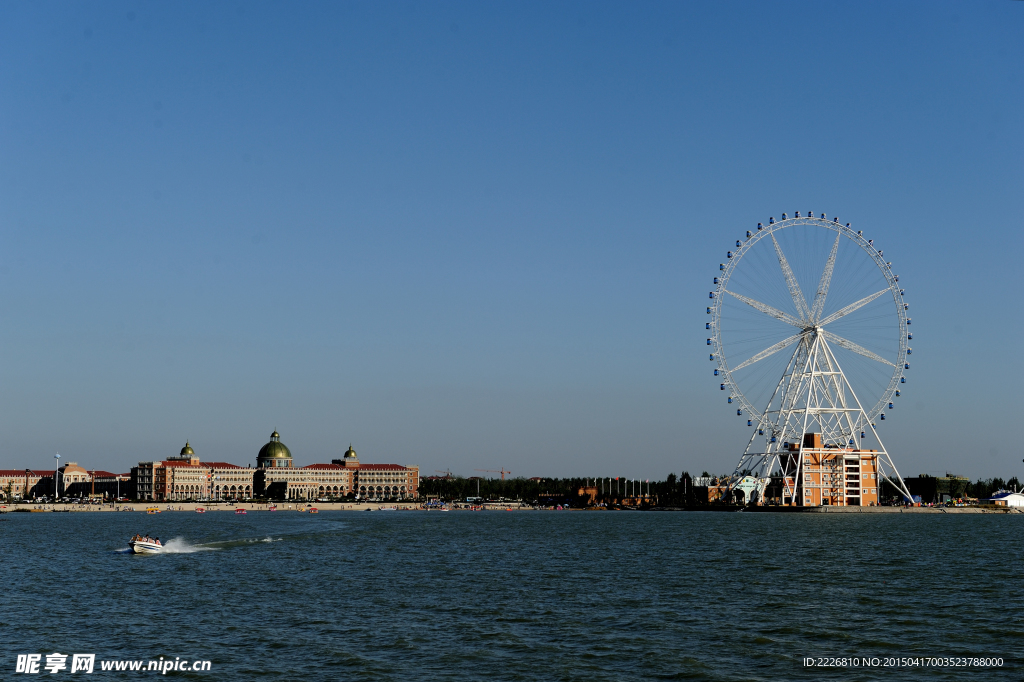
pixel 70 476
pixel 186 477
pixel 72 481
pixel 17 484
pixel 277 477
pixel 383 481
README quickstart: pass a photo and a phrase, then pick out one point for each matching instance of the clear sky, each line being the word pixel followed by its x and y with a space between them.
pixel 481 235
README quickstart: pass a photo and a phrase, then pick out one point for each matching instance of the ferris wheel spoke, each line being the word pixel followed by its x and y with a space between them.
pixel 826 280
pixel 794 288
pixel 770 350
pixel 852 307
pixel 768 310
pixel 850 345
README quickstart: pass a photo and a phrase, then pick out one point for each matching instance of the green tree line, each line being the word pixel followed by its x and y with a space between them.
pixel 673 491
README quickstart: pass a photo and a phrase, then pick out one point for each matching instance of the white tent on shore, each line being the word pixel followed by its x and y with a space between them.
pixel 1005 498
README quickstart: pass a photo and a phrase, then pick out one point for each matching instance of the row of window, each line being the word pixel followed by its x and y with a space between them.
pixel 867 491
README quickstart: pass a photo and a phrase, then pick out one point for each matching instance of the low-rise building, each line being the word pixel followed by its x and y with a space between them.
pixel 278 478
pixel 110 485
pixel 141 485
pixel 72 480
pixel 186 477
pixel 381 481
pixel 183 477
pixel 937 489
pixel 18 484
pixel 831 475
pixel 230 481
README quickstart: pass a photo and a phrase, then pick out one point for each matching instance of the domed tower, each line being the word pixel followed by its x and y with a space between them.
pixel 187 454
pixel 274 454
pixel 349 460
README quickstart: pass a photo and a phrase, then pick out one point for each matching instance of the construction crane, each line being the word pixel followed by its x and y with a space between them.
pixel 501 471
pixel 447 472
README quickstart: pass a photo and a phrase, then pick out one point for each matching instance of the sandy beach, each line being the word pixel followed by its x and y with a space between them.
pixel 249 507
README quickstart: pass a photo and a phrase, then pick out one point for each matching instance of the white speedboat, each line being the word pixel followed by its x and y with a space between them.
pixel 146 546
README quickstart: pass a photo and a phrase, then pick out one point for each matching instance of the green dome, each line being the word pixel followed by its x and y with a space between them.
pixel 274 450
pixel 350 453
pixel 187 450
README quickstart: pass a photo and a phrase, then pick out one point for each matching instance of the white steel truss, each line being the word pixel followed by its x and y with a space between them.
pixel 813 396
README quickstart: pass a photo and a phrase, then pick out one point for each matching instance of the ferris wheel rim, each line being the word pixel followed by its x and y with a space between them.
pixel 727 269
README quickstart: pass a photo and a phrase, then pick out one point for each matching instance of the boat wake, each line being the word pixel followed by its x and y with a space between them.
pixel 182 546
pixel 238 542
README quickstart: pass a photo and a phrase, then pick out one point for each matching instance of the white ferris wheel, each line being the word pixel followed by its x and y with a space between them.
pixel 832 363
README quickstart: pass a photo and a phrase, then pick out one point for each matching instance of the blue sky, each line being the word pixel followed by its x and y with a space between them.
pixel 481 235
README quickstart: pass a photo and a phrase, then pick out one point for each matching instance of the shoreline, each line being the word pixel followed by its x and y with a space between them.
pixel 220 507
pixel 852 510
pixel 304 507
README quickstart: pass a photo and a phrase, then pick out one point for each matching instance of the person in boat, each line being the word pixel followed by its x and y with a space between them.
pixel 157 541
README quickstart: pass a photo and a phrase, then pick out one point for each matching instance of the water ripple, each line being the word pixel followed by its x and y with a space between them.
pixel 524 596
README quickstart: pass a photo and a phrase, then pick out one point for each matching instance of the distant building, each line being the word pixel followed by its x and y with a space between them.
pixel 186 477
pixel 230 481
pixel 937 489
pixel 844 477
pixel 181 478
pixel 18 484
pixel 72 480
pixel 382 481
pixel 830 475
pixel 277 477
pixel 141 485
pixel 110 485
pixel 588 494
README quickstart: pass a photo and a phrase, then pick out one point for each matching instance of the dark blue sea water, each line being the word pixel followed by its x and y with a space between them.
pixel 516 596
